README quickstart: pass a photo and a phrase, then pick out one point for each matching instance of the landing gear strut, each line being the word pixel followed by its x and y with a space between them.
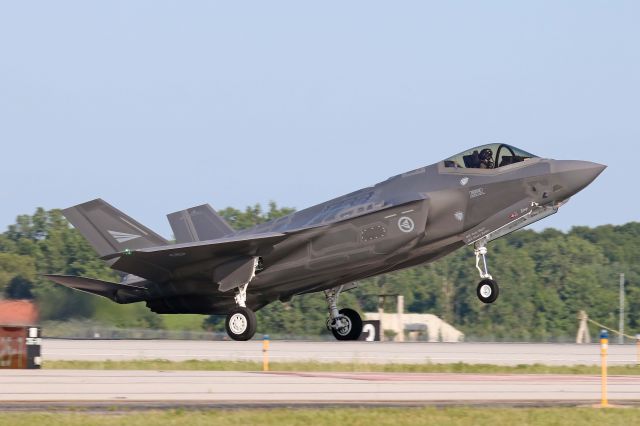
pixel 241 322
pixel 487 289
pixel 344 324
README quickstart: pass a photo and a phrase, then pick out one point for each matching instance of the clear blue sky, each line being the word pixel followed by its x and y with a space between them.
pixel 157 106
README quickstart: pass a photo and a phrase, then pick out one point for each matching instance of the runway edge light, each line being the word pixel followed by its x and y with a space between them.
pixel 604 345
pixel 265 352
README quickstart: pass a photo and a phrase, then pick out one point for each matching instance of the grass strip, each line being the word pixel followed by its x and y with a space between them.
pixel 460 367
pixel 451 416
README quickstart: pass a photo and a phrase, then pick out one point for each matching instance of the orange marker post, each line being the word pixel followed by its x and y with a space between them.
pixel 604 345
pixel 265 352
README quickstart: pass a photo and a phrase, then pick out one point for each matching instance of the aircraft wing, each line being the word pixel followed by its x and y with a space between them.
pixel 159 264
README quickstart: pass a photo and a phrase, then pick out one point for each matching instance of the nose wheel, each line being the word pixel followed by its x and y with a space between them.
pixel 487 289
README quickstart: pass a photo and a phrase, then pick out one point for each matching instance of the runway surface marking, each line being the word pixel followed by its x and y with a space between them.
pixel 464 377
pixel 283 388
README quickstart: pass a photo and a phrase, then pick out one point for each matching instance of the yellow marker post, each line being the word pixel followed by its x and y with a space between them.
pixel 604 345
pixel 265 353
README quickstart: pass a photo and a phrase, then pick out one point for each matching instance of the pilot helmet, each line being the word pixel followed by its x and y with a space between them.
pixel 486 154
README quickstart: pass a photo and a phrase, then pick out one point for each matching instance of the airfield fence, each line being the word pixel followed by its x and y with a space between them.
pixel 89 330
pixel 114 333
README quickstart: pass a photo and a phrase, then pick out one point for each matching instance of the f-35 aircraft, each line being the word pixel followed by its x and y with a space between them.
pixel 409 219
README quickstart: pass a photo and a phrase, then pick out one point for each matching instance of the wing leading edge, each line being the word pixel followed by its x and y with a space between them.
pixel 160 264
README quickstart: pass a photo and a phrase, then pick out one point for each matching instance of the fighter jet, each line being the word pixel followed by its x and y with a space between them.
pixel 410 219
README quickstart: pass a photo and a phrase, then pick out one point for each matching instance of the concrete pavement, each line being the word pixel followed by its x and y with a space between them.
pixel 170 387
pixel 372 352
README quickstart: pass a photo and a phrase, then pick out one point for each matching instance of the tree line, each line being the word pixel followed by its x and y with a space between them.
pixel 545 277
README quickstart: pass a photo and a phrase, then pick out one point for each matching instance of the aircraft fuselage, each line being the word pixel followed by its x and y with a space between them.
pixel 409 219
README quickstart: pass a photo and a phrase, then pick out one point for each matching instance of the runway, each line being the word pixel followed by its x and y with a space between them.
pixel 246 388
pixel 161 389
pixel 370 352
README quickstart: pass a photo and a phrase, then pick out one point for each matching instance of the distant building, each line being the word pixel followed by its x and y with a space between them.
pixel 18 312
pixel 19 336
pixel 415 326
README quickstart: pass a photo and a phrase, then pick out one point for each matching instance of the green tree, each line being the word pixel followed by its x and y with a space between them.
pixel 19 288
pixel 253 215
pixel 545 277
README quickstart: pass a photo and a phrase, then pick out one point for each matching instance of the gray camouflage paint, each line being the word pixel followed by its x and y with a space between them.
pixel 406 220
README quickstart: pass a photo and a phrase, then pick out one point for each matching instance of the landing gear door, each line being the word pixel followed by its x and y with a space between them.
pixel 235 273
pixel 515 212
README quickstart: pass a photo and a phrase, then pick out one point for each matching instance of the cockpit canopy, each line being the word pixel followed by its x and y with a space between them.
pixel 489 156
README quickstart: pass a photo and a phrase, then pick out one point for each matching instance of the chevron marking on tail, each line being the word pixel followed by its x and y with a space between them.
pixel 123 237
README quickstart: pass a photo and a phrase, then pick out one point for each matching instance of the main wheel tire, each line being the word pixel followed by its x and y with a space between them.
pixel 353 327
pixel 241 324
pixel 488 291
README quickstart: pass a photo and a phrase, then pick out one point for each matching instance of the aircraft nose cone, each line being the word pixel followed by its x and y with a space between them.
pixel 575 175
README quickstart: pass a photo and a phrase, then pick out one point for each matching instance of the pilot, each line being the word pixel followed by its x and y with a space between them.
pixel 486 159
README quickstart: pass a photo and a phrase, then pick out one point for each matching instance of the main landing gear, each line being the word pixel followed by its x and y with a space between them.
pixel 487 289
pixel 344 324
pixel 241 322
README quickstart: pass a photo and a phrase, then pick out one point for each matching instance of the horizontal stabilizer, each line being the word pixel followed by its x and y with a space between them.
pixel 200 223
pixel 121 293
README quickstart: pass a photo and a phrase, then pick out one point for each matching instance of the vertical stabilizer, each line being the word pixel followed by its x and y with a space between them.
pixel 109 230
pixel 200 223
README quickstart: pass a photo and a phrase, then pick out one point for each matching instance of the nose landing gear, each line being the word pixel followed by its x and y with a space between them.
pixel 487 289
